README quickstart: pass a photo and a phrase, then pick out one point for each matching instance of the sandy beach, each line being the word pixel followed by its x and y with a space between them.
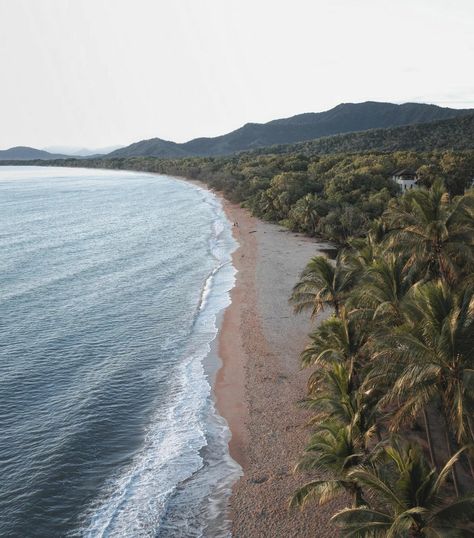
pixel 260 382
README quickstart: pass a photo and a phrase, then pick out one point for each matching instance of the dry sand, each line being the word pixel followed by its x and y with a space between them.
pixel 260 382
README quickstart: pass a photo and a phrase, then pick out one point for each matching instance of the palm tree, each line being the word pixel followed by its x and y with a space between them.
pixel 337 339
pixel 345 423
pixel 438 233
pixel 322 284
pixel 309 213
pixel 407 499
pixel 431 357
pixel 332 394
pixel 334 449
pixel 363 251
pixel 383 289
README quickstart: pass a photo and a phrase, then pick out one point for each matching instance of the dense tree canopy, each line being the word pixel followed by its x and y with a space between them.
pixel 333 196
pixel 396 357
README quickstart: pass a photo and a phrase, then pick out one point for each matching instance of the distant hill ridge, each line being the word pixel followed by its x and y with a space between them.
pixel 358 119
pixel 24 153
pixel 344 118
pixel 452 134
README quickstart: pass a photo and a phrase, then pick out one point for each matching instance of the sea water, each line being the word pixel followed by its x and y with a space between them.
pixel 111 284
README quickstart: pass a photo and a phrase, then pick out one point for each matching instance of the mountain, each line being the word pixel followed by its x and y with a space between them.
pixel 344 118
pixel 155 147
pixel 369 126
pixel 453 134
pixel 24 153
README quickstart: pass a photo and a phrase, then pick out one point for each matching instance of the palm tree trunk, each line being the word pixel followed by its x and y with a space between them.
pixel 468 456
pixel 442 270
pixel 450 452
pixel 429 438
pixel 357 498
pixel 377 433
pixel 469 462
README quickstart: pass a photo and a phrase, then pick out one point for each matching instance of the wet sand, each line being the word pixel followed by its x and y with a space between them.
pixel 260 382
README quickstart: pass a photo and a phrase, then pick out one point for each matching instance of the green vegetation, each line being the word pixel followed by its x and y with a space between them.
pixel 392 388
pixel 454 134
pixel 412 498
pixel 336 197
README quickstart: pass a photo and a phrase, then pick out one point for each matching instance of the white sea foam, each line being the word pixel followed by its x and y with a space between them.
pixel 180 481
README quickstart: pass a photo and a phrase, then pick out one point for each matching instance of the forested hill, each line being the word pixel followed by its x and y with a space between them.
pixel 24 153
pixel 344 118
pixel 454 134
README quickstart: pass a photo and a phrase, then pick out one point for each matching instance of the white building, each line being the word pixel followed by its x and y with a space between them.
pixel 407 179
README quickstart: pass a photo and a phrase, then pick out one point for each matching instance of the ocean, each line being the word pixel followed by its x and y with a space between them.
pixel 111 289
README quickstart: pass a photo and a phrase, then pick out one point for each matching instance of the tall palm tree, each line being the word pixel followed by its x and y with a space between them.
pixel 345 419
pixel 363 251
pixel 321 284
pixel 337 339
pixel 407 499
pixel 334 449
pixel 309 214
pixel 438 233
pixel 383 289
pixel 332 394
pixel 431 357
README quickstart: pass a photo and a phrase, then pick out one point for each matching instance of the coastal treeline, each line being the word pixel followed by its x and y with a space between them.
pixel 336 197
pixel 392 385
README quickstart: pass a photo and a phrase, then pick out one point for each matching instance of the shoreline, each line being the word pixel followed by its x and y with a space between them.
pixel 260 381
pixel 228 386
pixel 229 383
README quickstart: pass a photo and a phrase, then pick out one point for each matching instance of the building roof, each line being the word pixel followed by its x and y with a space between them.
pixel 405 172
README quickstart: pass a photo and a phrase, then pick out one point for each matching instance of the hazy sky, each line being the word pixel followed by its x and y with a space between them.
pixel 101 72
